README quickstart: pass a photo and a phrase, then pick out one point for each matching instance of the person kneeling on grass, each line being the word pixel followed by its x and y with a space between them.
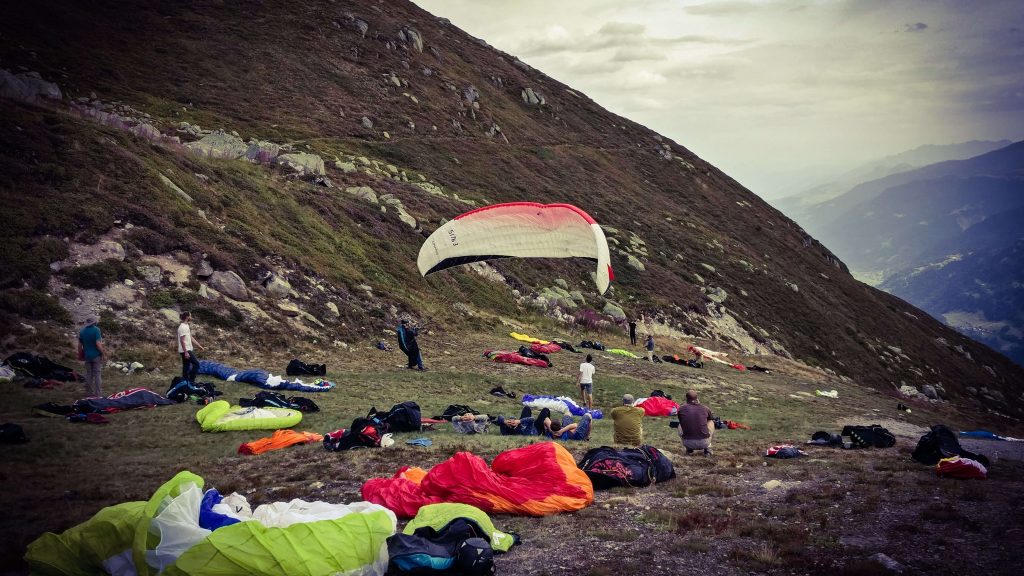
pixel 696 425
pixel 570 430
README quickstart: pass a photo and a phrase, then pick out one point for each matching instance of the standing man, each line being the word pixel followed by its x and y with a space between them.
pixel 696 425
pixel 627 421
pixel 92 352
pixel 186 344
pixel 649 344
pixel 632 332
pixel 407 343
pixel 585 381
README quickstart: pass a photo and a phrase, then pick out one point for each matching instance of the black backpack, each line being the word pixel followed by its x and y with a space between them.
pixel 12 434
pixel 404 417
pixel 939 443
pixel 303 404
pixel 34 366
pixel 266 399
pixel 610 467
pixel 873 436
pixel 460 547
pixel 454 410
pixel 299 368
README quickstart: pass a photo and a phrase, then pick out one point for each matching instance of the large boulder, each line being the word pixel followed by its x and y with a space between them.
pixel 219 145
pixel 303 163
pixel 262 152
pixel 410 35
pixel 532 98
pixel 229 284
pixel 363 193
pixel 614 311
pixel 174 188
pixel 27 87
pixel 277 287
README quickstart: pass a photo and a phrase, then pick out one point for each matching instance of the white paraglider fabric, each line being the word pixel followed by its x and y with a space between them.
pixel 518 230
pixel 177 524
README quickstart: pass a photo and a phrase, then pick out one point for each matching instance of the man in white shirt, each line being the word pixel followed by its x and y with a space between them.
pixel 189 362
pixel 585 381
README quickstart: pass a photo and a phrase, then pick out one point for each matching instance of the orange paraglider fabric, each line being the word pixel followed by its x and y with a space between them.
pixel 534 480
pixel 280 439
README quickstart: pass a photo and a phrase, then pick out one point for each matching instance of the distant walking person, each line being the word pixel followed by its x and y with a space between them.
pixel 649 345
pixel 585 381
pixel 632 332
pixel 92 352
pixel 407 343
pixel 696 425
pixel 186 347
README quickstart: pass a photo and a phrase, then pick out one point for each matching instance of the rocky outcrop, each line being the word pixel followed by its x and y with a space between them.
pixel 27 87
pixel 532 98
pixel 363 193
pixel 413 37
pixel 277 287
pixel 405 217
pixel 174 188
pixel 219 145
pixel 262 152
pixel 303 163
pixel 613 310
pixel 229 284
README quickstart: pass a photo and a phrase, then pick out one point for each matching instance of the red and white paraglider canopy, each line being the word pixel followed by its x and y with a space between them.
pixel 518 230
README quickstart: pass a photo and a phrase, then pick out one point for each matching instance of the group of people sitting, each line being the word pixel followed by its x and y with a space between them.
pixel 696 424
pixel 528 425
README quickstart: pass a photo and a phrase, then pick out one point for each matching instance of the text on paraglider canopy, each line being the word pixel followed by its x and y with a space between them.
pixel 451 236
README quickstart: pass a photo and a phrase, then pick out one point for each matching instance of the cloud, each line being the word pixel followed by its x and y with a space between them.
pixel 726 8
pixel 637 54
pixel 915 27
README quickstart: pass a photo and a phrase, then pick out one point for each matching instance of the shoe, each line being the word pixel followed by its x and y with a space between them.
pixel 708 452
pixel 689 451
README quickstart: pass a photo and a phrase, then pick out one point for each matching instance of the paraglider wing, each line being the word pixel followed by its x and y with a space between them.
pixel 518 230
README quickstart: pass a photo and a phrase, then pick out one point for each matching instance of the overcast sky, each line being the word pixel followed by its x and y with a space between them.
pixel 777 92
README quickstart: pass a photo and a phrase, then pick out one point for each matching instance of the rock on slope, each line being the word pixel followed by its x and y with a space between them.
pixel 415 121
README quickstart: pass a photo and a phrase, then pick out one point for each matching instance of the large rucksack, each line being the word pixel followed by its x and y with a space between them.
pixel 12 434
pixel 939 443
pixel 34 366
pixel 873 436
pixel 610 467
pixel 404 417
pixel 299 368
pixel 454 410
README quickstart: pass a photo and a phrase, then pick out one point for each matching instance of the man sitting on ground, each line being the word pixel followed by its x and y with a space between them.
pixel 696 425
pixel 570 430
pixel 628 423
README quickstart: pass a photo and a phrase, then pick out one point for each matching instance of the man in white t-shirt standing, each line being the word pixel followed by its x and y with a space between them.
pixel 585 381
pixel 186 343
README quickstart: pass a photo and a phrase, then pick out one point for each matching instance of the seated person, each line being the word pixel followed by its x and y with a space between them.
pixel 471 424
pixel 525 425
pixel 696 425
pixel 628 423
pixel 570 430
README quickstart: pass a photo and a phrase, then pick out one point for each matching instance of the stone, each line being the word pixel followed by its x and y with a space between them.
pixel 304 163
pixel 27 87
pixel 146 131
pixel 290 310
pixel 262 152
pixel 218 145
pixel 395 80
pixel 205 270
pixel 368 124
pixel 365 288
pixel 333 308
pixel 277 287
pixel 405 217
pixel 614 311
pixel 356 24
pixel 708 267
pixel 363 193
pixel 174 188
pixel 561 283
pixel 363 160
pixel 430 188
pixel 888 563
pixel 929 391
pixel 346 167
pixel 771 485
pixel 470 94
pixel 151 274
pixel 413 37
pixel 532 98
pixel 635 263
pixel 230 284
pixel 171 315
pixel 717 294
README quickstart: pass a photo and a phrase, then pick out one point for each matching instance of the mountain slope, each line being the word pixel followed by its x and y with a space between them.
pixel 431 122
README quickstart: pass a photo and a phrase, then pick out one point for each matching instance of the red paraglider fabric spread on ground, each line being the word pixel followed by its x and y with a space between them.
pixel 659 406
pixel 534 480
pixel 549 348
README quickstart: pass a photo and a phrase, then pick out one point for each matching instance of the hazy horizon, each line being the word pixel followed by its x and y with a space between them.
pixel 779 94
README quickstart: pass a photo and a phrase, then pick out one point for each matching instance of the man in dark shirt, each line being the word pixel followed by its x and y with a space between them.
pixel 696 425
pixel 632 332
